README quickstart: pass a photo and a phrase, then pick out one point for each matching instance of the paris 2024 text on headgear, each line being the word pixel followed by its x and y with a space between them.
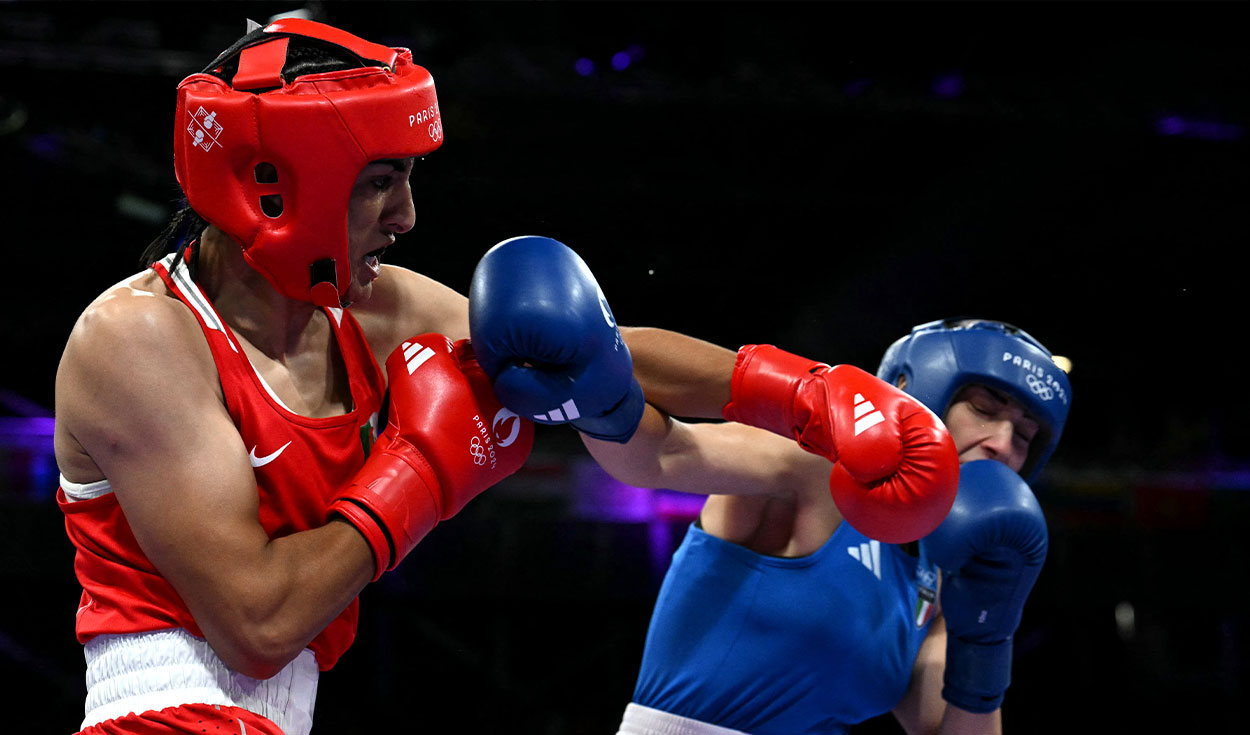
pixel 941 357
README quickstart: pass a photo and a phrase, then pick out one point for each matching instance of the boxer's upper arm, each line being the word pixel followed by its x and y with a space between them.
pixel 140 393
pixel 710 458
pixel 922 707
pixel 142 399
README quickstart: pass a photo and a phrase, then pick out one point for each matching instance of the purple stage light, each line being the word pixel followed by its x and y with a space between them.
pixel 27 459
pixel 584 66
pixel 949 85
pixel 1170 125
pixel 674 506
pixel 1175 125
pixel 27 431
pixel 620 60
pixel 599 496
pixel 1208 130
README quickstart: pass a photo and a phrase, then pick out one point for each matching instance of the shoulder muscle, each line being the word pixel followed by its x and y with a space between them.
pixel 405 303
pixel 131 353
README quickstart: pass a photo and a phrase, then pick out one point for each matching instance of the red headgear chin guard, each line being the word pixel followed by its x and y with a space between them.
pixel 303 141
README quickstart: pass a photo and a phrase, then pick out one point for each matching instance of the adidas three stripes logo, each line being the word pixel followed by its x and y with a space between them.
pixel 567 411
pixel 866 415
pixel 415 354
pixel 869 554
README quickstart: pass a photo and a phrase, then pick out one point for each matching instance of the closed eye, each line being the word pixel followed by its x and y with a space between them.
pixel 984 408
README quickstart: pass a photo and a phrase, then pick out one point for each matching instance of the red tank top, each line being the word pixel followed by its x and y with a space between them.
pixel 302 462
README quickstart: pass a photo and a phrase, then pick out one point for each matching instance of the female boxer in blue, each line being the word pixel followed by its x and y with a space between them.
pixel 779 618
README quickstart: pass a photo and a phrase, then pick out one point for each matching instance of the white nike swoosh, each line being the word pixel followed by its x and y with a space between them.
pixel 262 461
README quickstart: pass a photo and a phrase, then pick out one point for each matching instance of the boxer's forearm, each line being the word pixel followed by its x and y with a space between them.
pixel 681 375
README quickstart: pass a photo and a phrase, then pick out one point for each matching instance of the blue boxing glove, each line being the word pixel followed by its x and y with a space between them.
pixel 542 330
pixel 992 546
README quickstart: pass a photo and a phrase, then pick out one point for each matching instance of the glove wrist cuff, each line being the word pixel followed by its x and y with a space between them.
pixel 762 391
pixel 359 517
pixel 393 501
pixel 620 422
pixel 977 674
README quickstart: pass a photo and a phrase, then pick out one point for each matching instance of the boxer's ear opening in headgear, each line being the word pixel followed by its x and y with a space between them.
pixel 266 173
pixel 270 204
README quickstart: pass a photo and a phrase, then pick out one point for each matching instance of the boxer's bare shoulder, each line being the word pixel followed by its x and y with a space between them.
pixel 133 345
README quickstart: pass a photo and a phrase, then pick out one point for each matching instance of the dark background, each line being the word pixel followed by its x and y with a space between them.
pixel 819 176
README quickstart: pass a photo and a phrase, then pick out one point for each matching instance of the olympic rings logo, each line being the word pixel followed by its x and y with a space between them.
pixel 435 130
pixel 478 451
pixel 1038 386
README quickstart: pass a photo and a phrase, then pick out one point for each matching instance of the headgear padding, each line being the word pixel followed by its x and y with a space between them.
pixel 941 357
pixel 316 131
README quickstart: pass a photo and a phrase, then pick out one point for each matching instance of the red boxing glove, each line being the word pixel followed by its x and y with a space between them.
pixel 447 439
pixel 895 467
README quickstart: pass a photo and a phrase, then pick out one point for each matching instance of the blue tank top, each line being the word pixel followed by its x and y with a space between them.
pixel 775 646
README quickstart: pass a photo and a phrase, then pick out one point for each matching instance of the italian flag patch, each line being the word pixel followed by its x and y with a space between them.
pixel 369 433
pixel 924 605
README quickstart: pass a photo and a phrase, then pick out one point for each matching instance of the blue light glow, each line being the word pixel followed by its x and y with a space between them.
pixel 1177 126
pixel 949 85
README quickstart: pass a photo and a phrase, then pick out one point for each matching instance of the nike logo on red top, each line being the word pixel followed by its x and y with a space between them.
pixel 262 461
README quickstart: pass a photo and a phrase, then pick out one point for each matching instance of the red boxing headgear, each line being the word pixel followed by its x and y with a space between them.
pixel 317 132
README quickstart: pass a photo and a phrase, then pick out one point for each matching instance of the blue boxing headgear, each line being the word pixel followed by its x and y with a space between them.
pixel 941 357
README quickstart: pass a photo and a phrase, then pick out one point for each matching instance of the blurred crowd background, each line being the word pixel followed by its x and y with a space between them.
pixel 820 176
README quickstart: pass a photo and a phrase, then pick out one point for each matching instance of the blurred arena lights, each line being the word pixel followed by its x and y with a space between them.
pixel 13 116
pixel 599 496
pixel 1125 620
pixel 1182 127
pixel 27 460
pixel 949 85
pixel 622 60
pixel 140 208
pixel 619 61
